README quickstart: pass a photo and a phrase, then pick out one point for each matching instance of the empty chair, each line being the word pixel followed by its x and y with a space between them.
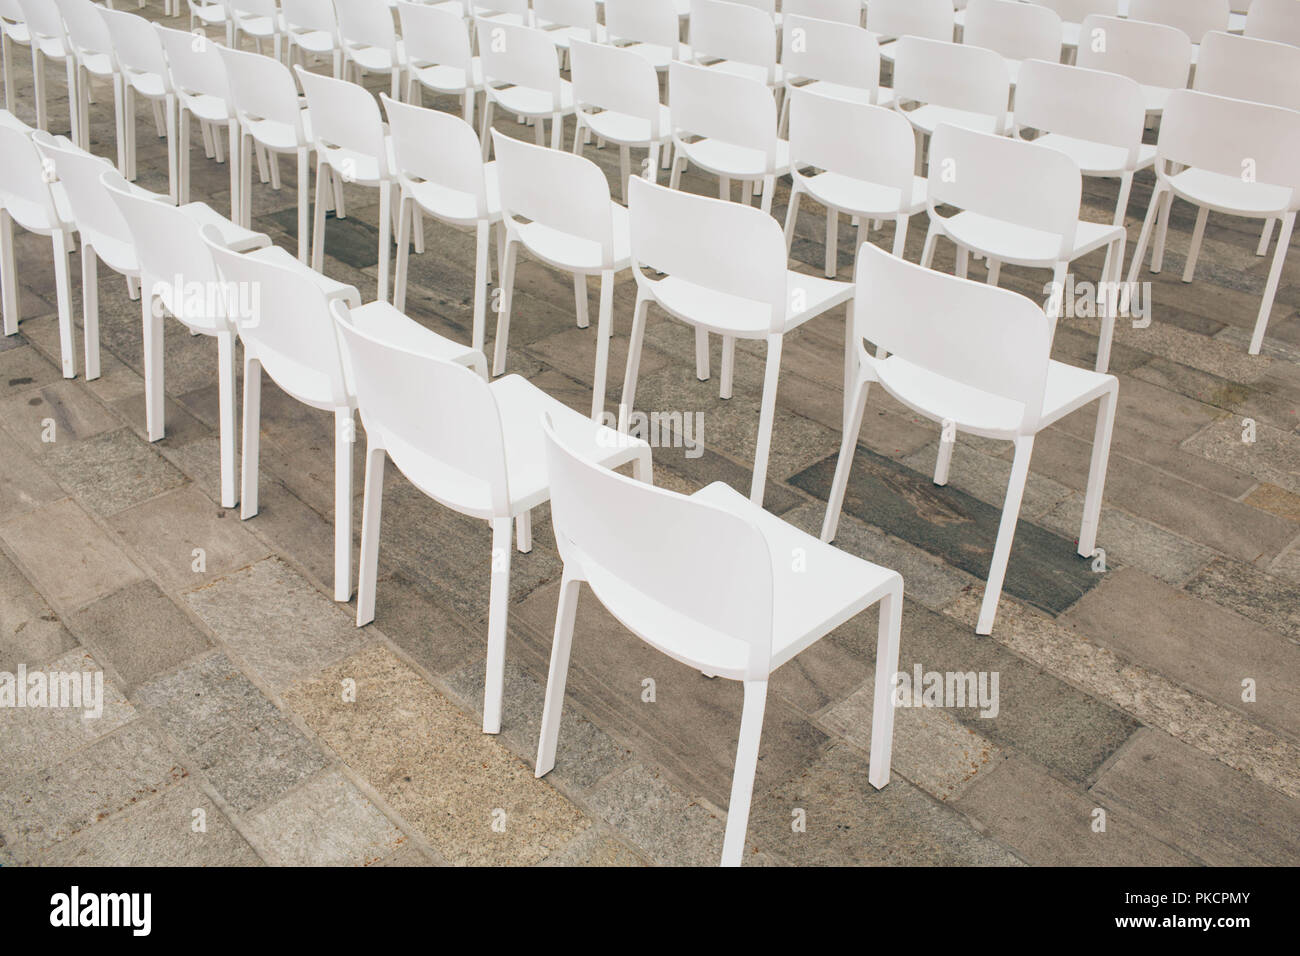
pixel 557 206
pixel 1018 31
pixel 49 41
pixel 1157 56
pixel 268 114
pixel 351 148
pixel 473 447
pixel 311 29
pixel 837 59
pixel 723 268
pixel 1095 118
pixel 707 580
pixel 13 30
pixel 370 42
pixel 649 28
pixel 1277 20
pixel 735 39
pixel 891 19
pixel 287 330
pixel 92 49
pixel 207 13
pixel 178 277
pixel 142 68
pixel 522 74
pixel 977 359
pixel 1231 156
pixel 440 171
pixel 259 19
pixel 616 95
pixel 1194 17
pixel 1019 203
pixel 439 55
pixel 199 79
pixel 726 125
pixel 26 199
pixel 565 20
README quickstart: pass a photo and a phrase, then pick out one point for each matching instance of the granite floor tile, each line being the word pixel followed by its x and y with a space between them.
pixel 113 471
pixel 1276 500
pixel 23 369
pixel 30 633
pixel 592 847
pixel 63 412
pixel 1273 456
pixel 670 827
pixel 1265 599
pixel 986 478
pixel 24 484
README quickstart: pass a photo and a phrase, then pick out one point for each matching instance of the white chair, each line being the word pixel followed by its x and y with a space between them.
pixel 351 148
pixel 891 19
pixel 439 55
pixel 27 199
pixel 370 42
pixel 198 78
pixel 1095 118
pixel 49 41
pixel 649 28
pixel 473 447
pixel 178 277
pixel 977 359
pixel 311 29
pixel 1018 31
pixel 557 206
pixel 1157 56
pixel 1074 12
pixel 616 97
pixel 521 73
pixel 142 71
pixel 566 20
pixel 207 14
pixel 735 39
pixel 1276 20
pixel 268 113
pixel 92 49
pixel 726 125
pixel 863 157
pixel 723 268
pixel 835 11
pixel 1019 203
pixel 13 30
pixel 440 171
pixel 289 332
pixel 1231 156
pixel 835 59
pixel 1194 17
pixel 707 580
pixel 259 19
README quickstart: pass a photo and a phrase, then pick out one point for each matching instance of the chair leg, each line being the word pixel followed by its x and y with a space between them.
pixel 1162 231
pixel 1270 290
pixel 8 271
pixel 627 401
pixel 742 782
pixel 765 419
pixel 8 53
pixel 74 101
pixel 931 241
pixel 498 607
pixel 226 423
pixel 624 167
pixel 154 396
pixel 371 511
pixel 580 299
pixel 304 202
pixel 565 615
pixel 963 262
pixel 768 185
pixel 791 218
pixel 524 532
pixel 702 354
pixel 604 328
pixel 1097 472
pixel 888 633
pixel 728 376
pixel 486 135
pixel 63 294
pixel 848 444
pixel 900 235
pixel 482 275
pixel 1110 314
pixel 1121 204
pixel 323 178
pixel 1198 233
pixel 1006 532
pixel 503 317
pixel 1144 237
pixel 38 86
pixel 251 437
pixel 404 257
pixel 943 461
pixel 385 237
pixel 345 438
pixel 183 154
pixel 1264 237
pixel 832 242
pixel 173 159
pixel 245 200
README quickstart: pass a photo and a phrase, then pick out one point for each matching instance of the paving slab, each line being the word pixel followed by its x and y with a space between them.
pixel 113 471
pixel 669 826
pixel 1132 541
pixel 1273 456
pixel 62 412
pixel 1265 599
pixel 1277 500
pixel 30 633
pixel 593 847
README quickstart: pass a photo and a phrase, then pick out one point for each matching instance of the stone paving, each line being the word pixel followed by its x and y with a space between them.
pixel 247 721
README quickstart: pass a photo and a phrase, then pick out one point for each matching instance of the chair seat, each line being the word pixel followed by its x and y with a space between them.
pixel 531 102
pixel 376 59
pixel 450 79
pixel 98 64
pixel 623 128
pixel 452 205
pixel 1097 159
pixel 207 107
pixel 738 162
pixel 332 288
pixel 747 318
pixel 52 48
pixel 573 253
pixel 859 197
pixel 1022 245
pixel 150 85
pixel 381 320
pixel 17 32
pixel 260 27
pixel 930 115
pixel 209 14
pixel 1231 194
pixel 313 41
pixel 277 136
pixel 356 167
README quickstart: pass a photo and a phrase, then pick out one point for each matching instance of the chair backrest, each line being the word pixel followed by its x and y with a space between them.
pixel 716 105
pixel 731 31
pixel 1006 179
pixel 310 15
pixel 1263 71
pixel 344 115
pixel 1151 53
pixel 437 420
pixel 194 63
pixel 610 78
pixel 837 11
pixel 25 180
pixel 567 13
pixel 513 8
pixel 1194 17
pixel 668 567
pixel 867 143
pixel 86 28
pixel 364 23
pixel 1019 31
pixel 518 56
pixel 437 148
pixel 433 35
pixel 1232 137
pixel 1090 105
pixel 1277 20
pixel 931 19
pixel 10 12
pixel 98 220
pixel 136 46
pixel 261 87
pixel 643 21
pixel 954 75
pixel 839 53
pixel 978 335
pixel 1075 11
pixel 287 327
pixel 557 190
pixel 43 19
pixel 727 247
